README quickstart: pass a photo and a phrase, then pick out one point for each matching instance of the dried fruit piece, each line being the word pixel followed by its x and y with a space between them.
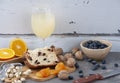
pixel 60 66
pixel 43 73
pixel 53 72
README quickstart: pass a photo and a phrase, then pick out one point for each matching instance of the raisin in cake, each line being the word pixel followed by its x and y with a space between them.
pixel 41 57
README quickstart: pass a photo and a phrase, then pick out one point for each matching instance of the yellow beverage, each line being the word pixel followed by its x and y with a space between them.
pixel 43 24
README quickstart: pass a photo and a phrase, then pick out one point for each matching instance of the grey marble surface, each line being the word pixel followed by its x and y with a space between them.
pixel 113 57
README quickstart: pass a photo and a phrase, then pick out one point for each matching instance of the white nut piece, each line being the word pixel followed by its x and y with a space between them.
pixel 14 71
pixel 22 79
pixel 71 62
pixel 78 55
pixel 6 74
pixel 17 75
pixel 29 71
pixel 12 66
pixel 10 75
pixel 17 67
pixel 19 81
pixel 9 70
pixel 63 74
pixel 68 55
pixel 25 73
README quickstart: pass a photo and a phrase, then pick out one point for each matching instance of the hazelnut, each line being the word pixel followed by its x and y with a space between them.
pixel 61 57
pixel 68 55
pixel 58 51
pixel 63 74
pixel 78 55
pixel 74 50
pixel 71 62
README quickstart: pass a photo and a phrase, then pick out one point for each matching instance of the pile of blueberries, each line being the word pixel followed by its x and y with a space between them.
pixel 94 44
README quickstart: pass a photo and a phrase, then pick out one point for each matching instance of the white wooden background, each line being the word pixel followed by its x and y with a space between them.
pixel 82 16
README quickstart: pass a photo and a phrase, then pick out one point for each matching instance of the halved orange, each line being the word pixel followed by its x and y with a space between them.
pixel 6 53
pixel 19 46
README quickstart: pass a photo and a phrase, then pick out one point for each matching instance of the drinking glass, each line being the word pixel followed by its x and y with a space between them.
pixel 43 22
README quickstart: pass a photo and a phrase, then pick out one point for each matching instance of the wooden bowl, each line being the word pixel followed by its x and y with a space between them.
pixel 97 54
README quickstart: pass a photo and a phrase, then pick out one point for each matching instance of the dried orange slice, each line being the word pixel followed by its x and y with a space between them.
pixel 60 66
pixel 53 72
pixel 6 53
pixel 19 46
pixel 43 73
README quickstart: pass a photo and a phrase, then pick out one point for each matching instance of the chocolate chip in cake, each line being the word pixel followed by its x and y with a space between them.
pixel 44 59
pixel 39 53
pixel 36 61
pixel 49 49
pixel 30 58
pixel 44 54
pixel 56 61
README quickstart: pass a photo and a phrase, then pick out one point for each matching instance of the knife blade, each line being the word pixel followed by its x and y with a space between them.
pixel 94 77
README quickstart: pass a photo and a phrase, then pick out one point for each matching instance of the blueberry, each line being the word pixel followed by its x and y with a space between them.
pixel 103 62
pixel 80 71
pixel 116 65
pixel 94 62
pixel 86 45
pixel 103 67
pixel 97 65
pixel 89 60
pixel 90 41
pixel 70 77
pixel 76 65
pixel 81 75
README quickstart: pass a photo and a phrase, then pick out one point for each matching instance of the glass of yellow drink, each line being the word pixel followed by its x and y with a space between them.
pixel 43 22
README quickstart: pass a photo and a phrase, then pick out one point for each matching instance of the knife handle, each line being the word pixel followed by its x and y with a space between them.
pixel 89 79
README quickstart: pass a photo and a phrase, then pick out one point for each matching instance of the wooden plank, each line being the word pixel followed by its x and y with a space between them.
pixel 65 42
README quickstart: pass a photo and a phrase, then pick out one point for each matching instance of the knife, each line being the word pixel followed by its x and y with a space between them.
pixel 98 76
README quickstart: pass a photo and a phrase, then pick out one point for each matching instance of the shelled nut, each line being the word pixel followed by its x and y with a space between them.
pixel 78 55
pixel 71 62
pixel 74 50
pixel 68 55
pixel 63 74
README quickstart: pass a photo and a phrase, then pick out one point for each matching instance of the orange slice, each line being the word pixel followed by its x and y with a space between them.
pixel 6 53
pixel 19 46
